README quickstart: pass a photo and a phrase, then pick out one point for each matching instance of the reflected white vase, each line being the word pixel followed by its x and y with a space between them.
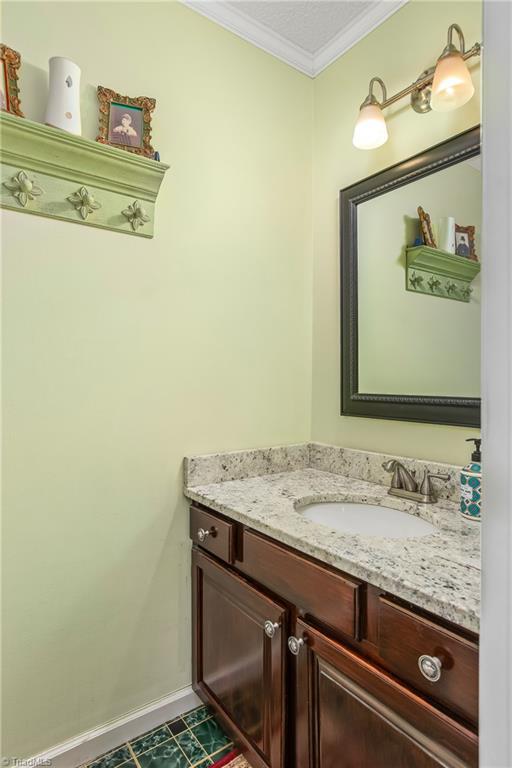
pixel 446 237
pixel 63 107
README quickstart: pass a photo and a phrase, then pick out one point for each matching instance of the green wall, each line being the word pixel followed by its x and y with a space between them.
pixel 397 51
pixel 410 342
pixel 122 355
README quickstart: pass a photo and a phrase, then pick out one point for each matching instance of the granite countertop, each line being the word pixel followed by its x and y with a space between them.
pixel 439 572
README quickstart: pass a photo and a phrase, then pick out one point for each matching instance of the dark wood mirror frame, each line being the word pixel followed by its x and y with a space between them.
pixel 459 411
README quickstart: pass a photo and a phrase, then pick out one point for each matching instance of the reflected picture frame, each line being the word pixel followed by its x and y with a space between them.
pixel 426 231
pixel 457 411
pixel 125 121
pixel 465 235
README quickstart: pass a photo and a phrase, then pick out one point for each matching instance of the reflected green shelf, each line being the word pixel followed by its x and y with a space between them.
pixel 438 273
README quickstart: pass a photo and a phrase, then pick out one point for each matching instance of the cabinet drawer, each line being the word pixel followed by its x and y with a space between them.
pixel 213 533
pixel 316 591
pixel 405 637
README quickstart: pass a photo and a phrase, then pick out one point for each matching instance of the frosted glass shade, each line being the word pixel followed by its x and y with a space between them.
pixel 452 86
pixel 370 130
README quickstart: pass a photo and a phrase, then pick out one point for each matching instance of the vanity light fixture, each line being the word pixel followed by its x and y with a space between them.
pixel 452 85
pixel 442 88
pixel 371 131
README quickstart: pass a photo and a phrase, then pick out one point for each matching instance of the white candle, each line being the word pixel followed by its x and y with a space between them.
pixel 446 240
pixel 63 108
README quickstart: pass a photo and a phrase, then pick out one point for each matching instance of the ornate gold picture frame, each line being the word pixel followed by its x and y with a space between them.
pixel 9 92
pixel 125 122
pixel 465 242
pixel 426 228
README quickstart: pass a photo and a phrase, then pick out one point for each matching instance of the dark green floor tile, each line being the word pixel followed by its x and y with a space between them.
pixel 205 763
pixel 176 726
pixel 112 759
pixel 191 747
pixel 197 716
pixel 150 739
pixel 167 755
pixel 210 736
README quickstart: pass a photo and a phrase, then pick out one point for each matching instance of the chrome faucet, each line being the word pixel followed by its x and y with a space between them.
pixel 405 485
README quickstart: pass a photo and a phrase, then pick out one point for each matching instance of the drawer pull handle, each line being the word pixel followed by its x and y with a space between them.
pixel 202 535
pixel 295 644
pixel 270 628
pixel 430 667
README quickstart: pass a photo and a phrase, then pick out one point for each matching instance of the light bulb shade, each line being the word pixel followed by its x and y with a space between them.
pixel 370 130
pixel 452 86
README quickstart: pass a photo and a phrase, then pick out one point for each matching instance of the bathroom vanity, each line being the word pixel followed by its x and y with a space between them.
pixel 312 665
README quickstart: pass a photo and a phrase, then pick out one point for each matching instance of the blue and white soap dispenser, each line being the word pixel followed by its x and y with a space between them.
pixel 471 484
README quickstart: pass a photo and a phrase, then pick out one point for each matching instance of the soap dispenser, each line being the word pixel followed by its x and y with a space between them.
pixel 471 484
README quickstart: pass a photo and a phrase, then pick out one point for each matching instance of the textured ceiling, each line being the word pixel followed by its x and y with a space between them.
pixel 310 24
pixel 307 34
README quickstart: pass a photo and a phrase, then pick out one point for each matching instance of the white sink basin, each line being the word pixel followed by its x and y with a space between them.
pixel 367 519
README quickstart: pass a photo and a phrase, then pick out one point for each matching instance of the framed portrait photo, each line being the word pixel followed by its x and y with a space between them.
pixel 465 242
pixel 125 122
pixel 9 92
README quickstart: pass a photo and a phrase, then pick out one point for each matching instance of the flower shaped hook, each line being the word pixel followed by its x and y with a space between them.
pixel 416 280
pixel 136 215
pixel 23 188
pixel 84 202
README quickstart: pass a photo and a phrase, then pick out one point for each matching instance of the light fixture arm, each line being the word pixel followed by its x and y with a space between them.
pixel 371 98
pixel 450 47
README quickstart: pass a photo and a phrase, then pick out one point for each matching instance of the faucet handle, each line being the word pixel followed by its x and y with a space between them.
pixel 426 487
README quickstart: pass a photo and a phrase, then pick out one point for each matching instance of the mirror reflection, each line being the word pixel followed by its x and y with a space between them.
pixel 419 258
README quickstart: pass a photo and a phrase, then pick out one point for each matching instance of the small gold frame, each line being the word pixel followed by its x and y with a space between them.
pixel 470 232
pixel 11 62
pixel 426 228
pixel 140 143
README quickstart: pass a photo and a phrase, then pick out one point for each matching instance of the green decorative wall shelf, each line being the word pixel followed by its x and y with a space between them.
pixel 439 273
pixel 48 172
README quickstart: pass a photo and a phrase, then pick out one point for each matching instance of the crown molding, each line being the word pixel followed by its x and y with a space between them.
pixel 254 32
pixel 355 32
pixel 263 37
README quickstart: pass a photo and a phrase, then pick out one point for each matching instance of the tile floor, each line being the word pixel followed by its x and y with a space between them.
pixel 193 739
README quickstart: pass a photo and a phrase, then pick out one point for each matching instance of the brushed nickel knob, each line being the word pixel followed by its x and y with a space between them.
pixel 202 535
pixel 430 667
pixel 270 628
pixel 295 644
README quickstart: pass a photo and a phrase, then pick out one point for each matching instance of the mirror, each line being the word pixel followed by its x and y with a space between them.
pixel 410 266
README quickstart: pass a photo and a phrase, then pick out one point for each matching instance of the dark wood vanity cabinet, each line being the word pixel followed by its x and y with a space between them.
pixel 239 657
pixel 350 714
pixel 348 693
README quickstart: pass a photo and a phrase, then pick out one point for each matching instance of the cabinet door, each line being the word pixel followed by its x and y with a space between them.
pixel 351 714
pixel 239 660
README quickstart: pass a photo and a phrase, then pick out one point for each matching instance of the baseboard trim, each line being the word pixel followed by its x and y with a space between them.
pixel 88 745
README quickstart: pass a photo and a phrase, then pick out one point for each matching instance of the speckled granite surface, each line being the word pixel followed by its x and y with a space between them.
pixel 237 465
pixel 439 572
pixel 362 465
pixel 365 465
